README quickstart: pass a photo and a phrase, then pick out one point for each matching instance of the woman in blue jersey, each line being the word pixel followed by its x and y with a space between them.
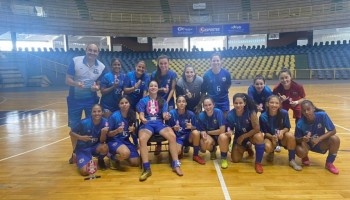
pixel 259 92
pixel 122 126
pixel 153 109
pixel 211 125
pixel 316 132
pixel 275 124
pixel 91 134
pixel 136 83
pixel 189 86
pixel 216 83
pixel 244 123
pixel 166 79
pixel 183 123
pixel 112 88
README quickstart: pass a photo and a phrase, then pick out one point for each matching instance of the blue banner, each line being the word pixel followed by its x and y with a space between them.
pixel 211 30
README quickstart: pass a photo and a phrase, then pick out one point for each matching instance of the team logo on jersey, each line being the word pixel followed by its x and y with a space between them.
pixel 215 121
pixel 247 121
pixel 168 82
pixel 319 125
pixel 295 93
pixel 96 71
pixel 81 160
pixel 244 130
pixel 142 82
pixel 223 79
pixel 115 144
pixel 89 131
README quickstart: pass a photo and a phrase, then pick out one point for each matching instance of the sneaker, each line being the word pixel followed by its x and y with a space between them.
pixel 145 174
pixel 213 154
pixel 258 168
pixel 294 165
pixel 305 161
pixel 186 149
pixel 331 168
pixel 270 157
pixel 224 163
pixel 101 164
pixel 278 149
pixel 199 160
pixel 158 149
pixel 114 164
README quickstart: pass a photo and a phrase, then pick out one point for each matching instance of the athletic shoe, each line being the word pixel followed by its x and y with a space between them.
pixel 224 163
pixel 331 168
pixel 199 160
pixel 114 164
pixel 278 149
pixel 270 157
pixel 305 161
pixel 101 164
pixel 258 168
pixel 145 174
pixel 158 149
pixel 213 154
pixel 295 166
pixel 186 149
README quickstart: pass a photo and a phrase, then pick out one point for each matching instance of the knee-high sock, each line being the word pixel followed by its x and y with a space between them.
pixel 259 149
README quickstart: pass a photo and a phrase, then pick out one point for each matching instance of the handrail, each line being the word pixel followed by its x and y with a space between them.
pixel 96 14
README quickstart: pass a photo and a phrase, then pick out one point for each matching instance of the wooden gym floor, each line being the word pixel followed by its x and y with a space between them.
pixel 36 147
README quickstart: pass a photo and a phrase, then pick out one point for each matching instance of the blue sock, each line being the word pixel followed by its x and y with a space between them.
pixel 175 163
pixel 259 149
pixel 331 158
pixel 223 155
pixel 291 155
pixel 195 150
pixel 146 165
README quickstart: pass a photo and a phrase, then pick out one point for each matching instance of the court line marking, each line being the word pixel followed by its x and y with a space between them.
pixel 46 145
pixel 13 136
pixel 342 127
pixel 222 181
pixel 33 109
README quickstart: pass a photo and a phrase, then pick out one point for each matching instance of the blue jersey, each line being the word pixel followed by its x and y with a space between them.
pixel 131 81
pixel 87 127
pixel 239 124
pixel 217 86
pixel 109 101
pixel 151 109
pixel 317 128
pixel 269 124
pixel 214 122
pixel 187 117
pixel 259 98
pixel 115 121
pixel 165 81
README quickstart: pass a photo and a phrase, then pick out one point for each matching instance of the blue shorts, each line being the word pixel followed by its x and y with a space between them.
pixel 76 108
pixel 316 148
pixel 155 126
pixel 184 139
pixel 85 155
pixel 116 143
pixel 224 106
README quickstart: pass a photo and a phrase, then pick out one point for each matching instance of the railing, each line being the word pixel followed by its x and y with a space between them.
pixel 96 14
pixel 47 64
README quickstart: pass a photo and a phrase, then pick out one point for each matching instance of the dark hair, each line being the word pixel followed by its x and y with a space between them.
pixel 159 98
pixel 140 60
pixel 97 105
pixel 116 59
pixel 279 117
pixel 285 70
pixel 183 96
pixel 131 116
pixel 312 104
pixel 184 72
pixel 215 54
pixel 208 97
pixel 249 102
pixel 259 77
pixel 158 72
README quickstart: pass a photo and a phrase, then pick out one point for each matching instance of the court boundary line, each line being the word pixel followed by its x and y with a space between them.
pixel 222 181
pixel 52 143
pixel 341 127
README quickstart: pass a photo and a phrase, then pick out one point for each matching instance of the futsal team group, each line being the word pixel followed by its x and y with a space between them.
pixel 135 106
